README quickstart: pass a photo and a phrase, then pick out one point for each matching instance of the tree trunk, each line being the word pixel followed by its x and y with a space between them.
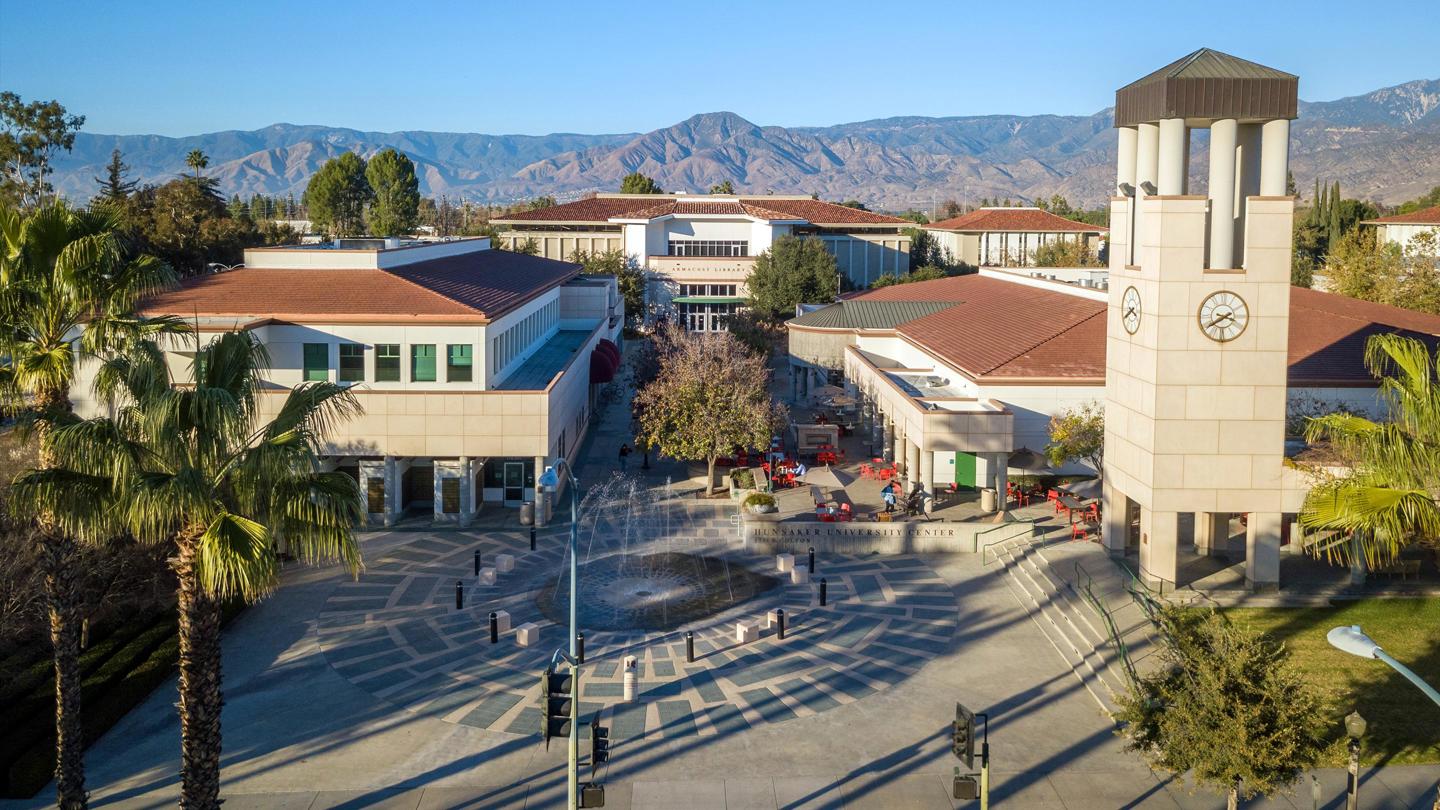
pixel 60 557
pixel 62 591
pixel 710 475
pixel 1232 799
pixel 200 699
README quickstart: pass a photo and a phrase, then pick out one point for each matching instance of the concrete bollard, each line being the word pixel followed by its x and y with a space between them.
pixel 459 595
pixel 494 626
pixel 689 646
pixel 477 562
pixel 532 537
pixel 629 688
pixel 799 576
pixel 812 559
pixel 822 591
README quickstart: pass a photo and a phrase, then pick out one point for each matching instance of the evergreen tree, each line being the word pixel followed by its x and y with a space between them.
pixel 115 187
pixel 637 183
pixel 726 187
pixel 236 206
pixel 337 195
pixel 793 271
pixel 1333 221
pixel 257 208
pixel 396 207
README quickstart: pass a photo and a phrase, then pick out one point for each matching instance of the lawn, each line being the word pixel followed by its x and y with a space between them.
pixel 1404 725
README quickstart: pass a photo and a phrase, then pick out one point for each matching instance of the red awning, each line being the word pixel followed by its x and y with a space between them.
pixel 611 349
pixel 602 367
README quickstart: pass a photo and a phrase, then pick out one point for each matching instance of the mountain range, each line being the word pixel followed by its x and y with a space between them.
pixel 1383 145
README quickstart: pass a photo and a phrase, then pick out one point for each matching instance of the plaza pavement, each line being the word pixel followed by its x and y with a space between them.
pixel 300 732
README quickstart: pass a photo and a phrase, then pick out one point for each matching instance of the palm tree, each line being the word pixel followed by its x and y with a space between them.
pixel 197 160
pixel 61 269
pixel 197 466
pixel 1387 501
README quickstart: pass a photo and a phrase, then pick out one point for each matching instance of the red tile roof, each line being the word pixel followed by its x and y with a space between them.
pixel 1425 216
pixel 603 209
pixel 469 287
pixel 1001 330
pixel 1014 220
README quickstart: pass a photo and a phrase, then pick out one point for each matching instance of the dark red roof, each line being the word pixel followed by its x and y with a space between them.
pixel 1014 220
pixel 481 285
pixel 603 209
pixel 1425 216
pixel 1001 330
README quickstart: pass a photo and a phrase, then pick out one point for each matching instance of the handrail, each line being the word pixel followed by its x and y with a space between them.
pixel 1088 594
pixel 983 548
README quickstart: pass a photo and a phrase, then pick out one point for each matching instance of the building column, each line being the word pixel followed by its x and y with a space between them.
pixel 1212 533
pixel 467 492
pixel 1000 477
pixel 927 478
pixel 1247 181
pixel 1114 519
pixel 393 497
pixel 1274 157
pixel 898 447
pixel 912 465
pixel 1171 158
pixel 1125 160
pixel 542 517
pixel 794 384
pixel 1147 158
pixel 1223 135
pixel 1159 552
pixel 887 438
pixel 1262 551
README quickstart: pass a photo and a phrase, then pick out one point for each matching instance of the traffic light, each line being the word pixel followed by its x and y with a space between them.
pixel 557 690
pixel 599 742
pixel 962 736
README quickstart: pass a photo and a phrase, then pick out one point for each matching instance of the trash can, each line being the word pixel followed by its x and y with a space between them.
pixel 987 500
pixel 527 513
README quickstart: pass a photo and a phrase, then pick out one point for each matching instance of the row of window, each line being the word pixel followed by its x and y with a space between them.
pixel 707 317
pixel 459 362
pixel 727 290
pixel 709 247
pixel 511 343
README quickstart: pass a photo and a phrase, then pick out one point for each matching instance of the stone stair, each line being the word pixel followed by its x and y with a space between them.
pixel 1043 574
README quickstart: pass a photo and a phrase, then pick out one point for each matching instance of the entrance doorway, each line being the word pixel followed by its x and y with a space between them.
pixel 514 482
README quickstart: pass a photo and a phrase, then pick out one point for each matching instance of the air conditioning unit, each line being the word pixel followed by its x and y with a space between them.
pixel 936 382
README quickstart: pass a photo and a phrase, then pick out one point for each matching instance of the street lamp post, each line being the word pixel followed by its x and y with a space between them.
pixel 1354 729
pixel 550 479
pixel 1353 640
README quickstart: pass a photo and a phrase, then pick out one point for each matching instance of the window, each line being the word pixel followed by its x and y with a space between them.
pixel 422 362
pixel 709 247
pixel 352 362
pixel 317 362
pixel 387 362
pixel 459 362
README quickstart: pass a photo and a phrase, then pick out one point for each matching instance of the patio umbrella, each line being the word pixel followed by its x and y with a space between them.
pixel 841 400
pixel 1084 490
pixel 1028 460
pixel 829 477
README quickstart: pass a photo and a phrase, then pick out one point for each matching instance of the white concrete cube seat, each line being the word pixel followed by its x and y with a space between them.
pixel 746 632
pixel 799 576
pixel 784 562
pixel 527 634
pixel 502 620
pixel 504 563
pixel 487 576
pixel 772 618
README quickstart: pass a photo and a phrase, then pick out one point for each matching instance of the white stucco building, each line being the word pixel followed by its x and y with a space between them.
pixel 1009 237
pixel 475 367
pixel 698 250
pixel 1401 228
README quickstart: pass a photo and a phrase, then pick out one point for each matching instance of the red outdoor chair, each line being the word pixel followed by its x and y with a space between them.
pixel 1079 531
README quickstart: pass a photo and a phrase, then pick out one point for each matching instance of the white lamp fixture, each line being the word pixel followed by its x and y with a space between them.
pixel 550 480
pixel 1353 640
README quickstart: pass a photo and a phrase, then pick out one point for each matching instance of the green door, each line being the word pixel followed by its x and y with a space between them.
pixel 964 470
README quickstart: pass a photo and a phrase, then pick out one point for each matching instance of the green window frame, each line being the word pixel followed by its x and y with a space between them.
pixel 387 362
pixel 459 362
pixel 317 362
pixel 352 363
pixel 422 362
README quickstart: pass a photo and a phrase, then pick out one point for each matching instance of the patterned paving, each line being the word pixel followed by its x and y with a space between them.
pixel 397 634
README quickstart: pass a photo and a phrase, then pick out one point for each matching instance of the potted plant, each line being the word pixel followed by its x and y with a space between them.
pixel 760 503
pixel 742 482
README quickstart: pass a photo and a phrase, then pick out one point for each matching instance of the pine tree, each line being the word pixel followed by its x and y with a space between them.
pixel 115 187
pixel 236 206
pixel 1334 216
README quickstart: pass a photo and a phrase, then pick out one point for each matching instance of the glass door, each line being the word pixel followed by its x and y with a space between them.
pixel 514 482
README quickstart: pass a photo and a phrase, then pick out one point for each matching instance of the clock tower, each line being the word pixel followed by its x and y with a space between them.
pixel 1199 316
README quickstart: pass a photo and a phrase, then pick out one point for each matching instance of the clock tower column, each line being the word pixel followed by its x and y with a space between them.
pixel 1198 328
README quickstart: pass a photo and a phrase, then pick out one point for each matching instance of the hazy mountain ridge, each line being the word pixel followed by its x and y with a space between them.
pixel 1384 145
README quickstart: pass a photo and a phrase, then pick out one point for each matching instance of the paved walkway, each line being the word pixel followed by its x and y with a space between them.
pixel 312 723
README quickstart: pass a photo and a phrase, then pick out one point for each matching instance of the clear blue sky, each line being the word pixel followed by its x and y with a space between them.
pixel 530 66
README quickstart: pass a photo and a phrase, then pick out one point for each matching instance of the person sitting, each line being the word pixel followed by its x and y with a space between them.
pixel 800 469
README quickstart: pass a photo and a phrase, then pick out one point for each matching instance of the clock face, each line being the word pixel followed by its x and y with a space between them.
pixel 1130 310
pixel 1223 316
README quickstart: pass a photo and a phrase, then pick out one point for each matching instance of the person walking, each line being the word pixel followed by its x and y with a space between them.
pixel 624 455
pixel 887 494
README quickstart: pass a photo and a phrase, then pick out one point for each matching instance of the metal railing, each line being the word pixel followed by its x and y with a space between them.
pixel 984 548
pixel 1085 588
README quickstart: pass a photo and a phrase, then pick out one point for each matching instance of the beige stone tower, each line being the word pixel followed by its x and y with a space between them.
pixel 1198 329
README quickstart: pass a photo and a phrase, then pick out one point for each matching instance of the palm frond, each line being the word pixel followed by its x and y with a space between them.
pixel 82 506
pixel 234 558
pixel 317 514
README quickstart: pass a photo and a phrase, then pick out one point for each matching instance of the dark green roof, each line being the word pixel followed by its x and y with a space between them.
pixel 869 314
pixel 1211 64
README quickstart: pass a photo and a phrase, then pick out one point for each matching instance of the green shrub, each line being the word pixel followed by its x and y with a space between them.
pixel 742 479
pixel 759 499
